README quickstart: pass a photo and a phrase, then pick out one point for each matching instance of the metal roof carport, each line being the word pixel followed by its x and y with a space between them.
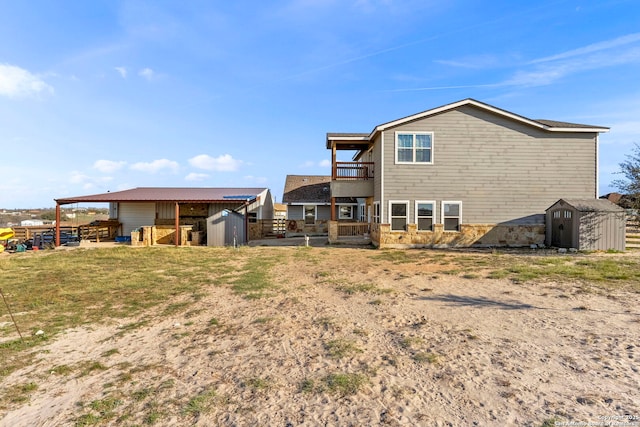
pixel 177 195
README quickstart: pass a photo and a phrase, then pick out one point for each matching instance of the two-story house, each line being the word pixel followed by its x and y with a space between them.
pixel 462 174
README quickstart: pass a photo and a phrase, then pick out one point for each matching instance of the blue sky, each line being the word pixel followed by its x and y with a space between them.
pixel 100 96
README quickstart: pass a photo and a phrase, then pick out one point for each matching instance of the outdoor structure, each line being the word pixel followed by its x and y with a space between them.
pixel 167 215
pixel 226 228
pixel 463 174
pixel 586 225
pixel 309 209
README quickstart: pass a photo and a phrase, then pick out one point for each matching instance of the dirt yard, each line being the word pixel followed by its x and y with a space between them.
pixel 353 337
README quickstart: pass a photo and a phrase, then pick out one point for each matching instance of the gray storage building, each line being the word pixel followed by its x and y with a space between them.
pixel 226 228
pixel 586 224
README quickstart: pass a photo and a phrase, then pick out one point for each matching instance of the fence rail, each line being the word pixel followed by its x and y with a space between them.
pixel 349 229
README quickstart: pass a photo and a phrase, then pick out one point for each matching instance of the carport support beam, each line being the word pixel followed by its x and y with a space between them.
pixel 177 224
pixel 57 224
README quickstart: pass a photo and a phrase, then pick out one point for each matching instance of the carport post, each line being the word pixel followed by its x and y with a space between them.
pixel 57 224
pixel 177 224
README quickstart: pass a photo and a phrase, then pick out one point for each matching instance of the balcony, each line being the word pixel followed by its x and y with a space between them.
pixel 352 171
pixel 352 179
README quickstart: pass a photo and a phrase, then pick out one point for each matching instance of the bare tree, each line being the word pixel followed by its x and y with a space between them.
pixel 630 184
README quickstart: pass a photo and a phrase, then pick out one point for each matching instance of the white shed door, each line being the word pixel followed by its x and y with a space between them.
pixel 134 215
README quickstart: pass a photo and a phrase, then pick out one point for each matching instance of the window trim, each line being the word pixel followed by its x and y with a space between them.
pixel 376 212
pixel 443 217
pixel 315 213
pixel 414 162
pixel 391 217
pixel 433 216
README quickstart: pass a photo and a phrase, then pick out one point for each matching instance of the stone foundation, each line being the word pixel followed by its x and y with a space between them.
pixel 297 228
pixel 478 235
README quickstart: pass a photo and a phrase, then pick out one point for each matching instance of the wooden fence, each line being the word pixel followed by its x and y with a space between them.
pixel 350 229
pixel 96 231
pixel 633 235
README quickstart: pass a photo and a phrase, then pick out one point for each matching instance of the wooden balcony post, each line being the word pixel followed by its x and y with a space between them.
pixel 334 166
pixel 333 209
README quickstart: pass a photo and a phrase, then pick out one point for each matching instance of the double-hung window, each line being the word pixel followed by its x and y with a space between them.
pixel 451 215
pixel 399 212
pixel 376 212
pixel 425 215
pixel 345 212
pixel 414 147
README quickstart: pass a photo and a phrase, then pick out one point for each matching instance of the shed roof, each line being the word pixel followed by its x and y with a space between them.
pixel 169 194
pixel 589 205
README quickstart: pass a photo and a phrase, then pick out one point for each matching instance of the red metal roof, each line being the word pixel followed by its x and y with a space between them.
pixel 169 194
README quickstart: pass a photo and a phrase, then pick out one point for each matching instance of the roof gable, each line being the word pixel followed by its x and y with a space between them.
pixel 359 140
pixel 548 125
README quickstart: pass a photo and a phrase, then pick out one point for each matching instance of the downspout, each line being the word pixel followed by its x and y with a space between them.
pixel 597 164
pixel 57 224
pixel 382 177
pixel 177 224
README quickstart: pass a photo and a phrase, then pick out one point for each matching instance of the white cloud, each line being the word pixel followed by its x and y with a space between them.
pixel 595 47
pixel 17 82
pixel 156 166
pixel 108 166
pixel 78 177
pixel 312 164
pixel 193 176
pixel 147 73
pixel 223 163
pixel 122 71
pixel 595 56
pixel 474 61
pixel 88 182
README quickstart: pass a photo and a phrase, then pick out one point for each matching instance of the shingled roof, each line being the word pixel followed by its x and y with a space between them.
pixel 307 189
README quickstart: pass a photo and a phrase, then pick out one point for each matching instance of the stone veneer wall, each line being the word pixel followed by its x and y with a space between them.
pixel 297 228
pixel 483 235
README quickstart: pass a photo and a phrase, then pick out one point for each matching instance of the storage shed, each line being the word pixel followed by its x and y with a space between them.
pixel 586 224
pixel 226 228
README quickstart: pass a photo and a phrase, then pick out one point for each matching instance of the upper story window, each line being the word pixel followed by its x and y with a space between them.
pixel 414 147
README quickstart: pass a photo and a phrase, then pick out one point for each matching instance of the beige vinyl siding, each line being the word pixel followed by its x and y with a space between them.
pixel 499 169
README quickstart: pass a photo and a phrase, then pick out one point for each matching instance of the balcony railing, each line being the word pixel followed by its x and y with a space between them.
pixel 352 170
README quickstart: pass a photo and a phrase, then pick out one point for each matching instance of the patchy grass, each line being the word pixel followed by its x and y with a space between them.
pixel 344 384
pixel 340 348
pixel 371 288
pixel 423 357
pixel 200 403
